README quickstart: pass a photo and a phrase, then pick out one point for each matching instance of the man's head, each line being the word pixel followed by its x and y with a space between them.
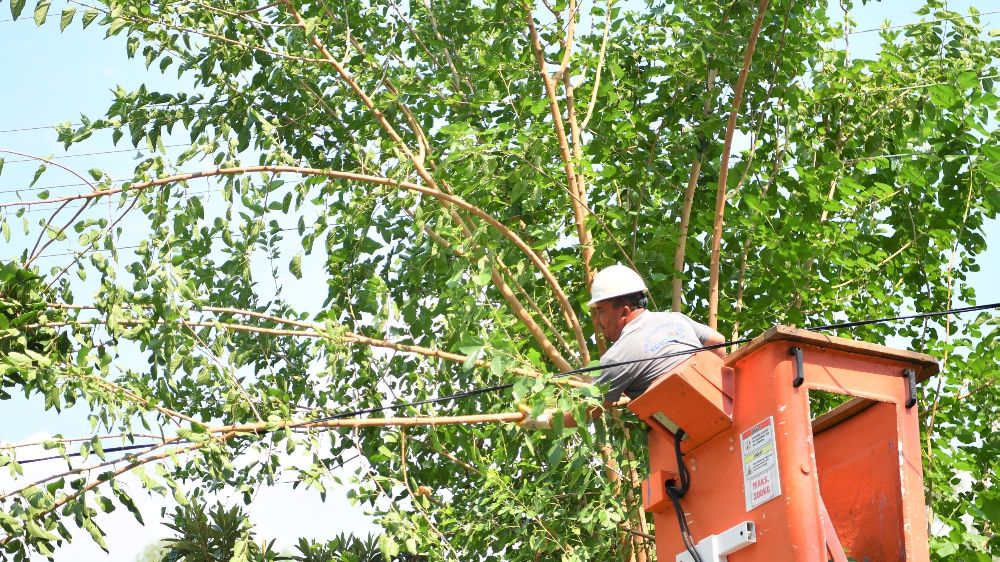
pixel 617 295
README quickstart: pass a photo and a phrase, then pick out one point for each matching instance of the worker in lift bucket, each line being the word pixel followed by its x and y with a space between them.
pixel 618 298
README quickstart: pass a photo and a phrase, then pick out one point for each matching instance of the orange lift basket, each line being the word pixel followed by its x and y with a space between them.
pixel 767 483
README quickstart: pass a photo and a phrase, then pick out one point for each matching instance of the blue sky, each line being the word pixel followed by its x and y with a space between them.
pixel 52 77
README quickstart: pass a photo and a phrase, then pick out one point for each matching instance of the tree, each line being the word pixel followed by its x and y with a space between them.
pixel 203 535
pixel 453 173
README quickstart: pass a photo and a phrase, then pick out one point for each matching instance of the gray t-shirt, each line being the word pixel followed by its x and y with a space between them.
pixel 651 334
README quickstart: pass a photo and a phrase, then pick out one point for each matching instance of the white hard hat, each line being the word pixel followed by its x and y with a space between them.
pixel 615 281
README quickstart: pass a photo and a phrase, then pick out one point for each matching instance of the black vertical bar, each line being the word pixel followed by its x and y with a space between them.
pixel 911 387
pixel 800 376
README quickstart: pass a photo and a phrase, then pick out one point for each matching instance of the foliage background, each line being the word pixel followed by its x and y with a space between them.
pixel 865 195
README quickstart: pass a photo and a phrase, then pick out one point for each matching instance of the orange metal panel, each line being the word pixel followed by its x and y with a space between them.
pixel 654 491
pixel 858 465
pixel 690 397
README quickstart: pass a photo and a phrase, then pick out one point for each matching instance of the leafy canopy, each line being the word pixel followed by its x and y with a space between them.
pixel 407 201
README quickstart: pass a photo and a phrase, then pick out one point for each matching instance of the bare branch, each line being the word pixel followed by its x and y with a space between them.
pixel 600 66
pixel 720 198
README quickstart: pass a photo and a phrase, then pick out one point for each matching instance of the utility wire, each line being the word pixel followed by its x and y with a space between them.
pixel 906 317
pixel 905 25
pixel 918 23
pixel 582 370
pixel 107 450
pixel 114 183
pixel 235 236
pixel 222 102
pixel 64 156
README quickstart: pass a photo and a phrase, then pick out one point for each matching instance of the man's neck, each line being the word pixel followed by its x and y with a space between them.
pixel 633 315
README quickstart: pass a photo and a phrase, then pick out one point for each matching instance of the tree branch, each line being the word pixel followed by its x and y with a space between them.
pixel 720 198
pixel 312 331
pixel 600 67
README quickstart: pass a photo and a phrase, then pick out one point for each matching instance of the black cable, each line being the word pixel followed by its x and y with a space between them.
pixel 677 492
pixel 399 405
pixel 693 350
pixel 906 317
pixel 685 482
pixel 108 450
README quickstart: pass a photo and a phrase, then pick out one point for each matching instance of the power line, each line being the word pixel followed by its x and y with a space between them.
pixel 948 312
pixel 236 236
pixel 64 156
pixel 107 450
pixel 25 129
pixel 869 30
pixel 583 370
pixel 125 197
pixel 8 189
pixel 917 23
pixel 76 124
pixel 860 31
pixel 115 183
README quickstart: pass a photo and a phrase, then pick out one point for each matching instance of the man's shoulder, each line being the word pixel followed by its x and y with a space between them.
pixel 651 320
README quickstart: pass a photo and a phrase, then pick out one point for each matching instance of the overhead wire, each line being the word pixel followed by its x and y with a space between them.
pixel 82 154
pixel 857 32
pixel 104 450
pixel 236 236
pixel 919 23
pixel 584 370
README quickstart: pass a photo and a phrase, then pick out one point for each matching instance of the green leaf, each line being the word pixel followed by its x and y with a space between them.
pixel 16 7
pixel 498 366
pixel 98 447
pixel 127 501
pixel 943 95
pixel 42 11
pixel 19 359
pixel 556 453
pixel 66 18
pixel 991 507
pixel 38 173
pixel 37 532
pixel 296 266
pixel 968 79
pixel 95 533
pixel 89 15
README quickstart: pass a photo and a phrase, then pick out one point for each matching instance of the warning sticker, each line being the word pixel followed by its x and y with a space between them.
pixel 760 464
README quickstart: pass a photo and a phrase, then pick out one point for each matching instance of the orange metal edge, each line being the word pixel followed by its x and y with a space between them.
pixel 926 365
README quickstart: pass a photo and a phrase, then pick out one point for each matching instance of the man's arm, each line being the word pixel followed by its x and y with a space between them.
pixel 715 338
